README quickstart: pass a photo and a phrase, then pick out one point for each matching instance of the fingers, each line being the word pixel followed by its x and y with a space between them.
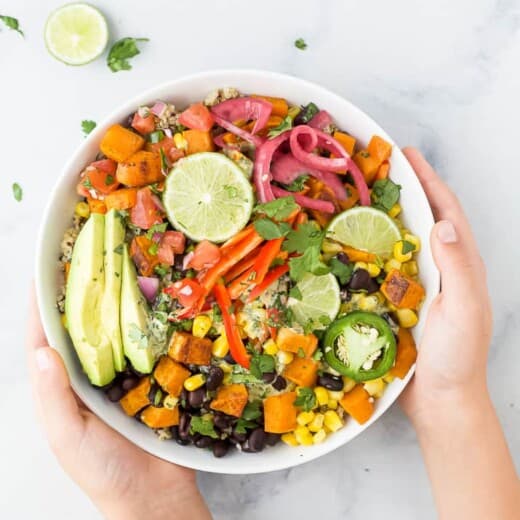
pixel 35 334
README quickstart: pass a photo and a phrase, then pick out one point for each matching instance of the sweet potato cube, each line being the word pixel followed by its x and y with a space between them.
pixel 406 354
pixel 347 141
pixel 379 149
pixel 119 143
pixel 140 253
pixel 302 371
pixel 358 404
pixel 367 164
pixel 137 398
pixel 186 348
pixel 230 399
pixel 171 375
pixel 198 141
pixel 280 413
pixel 401 290
pixel 160 417
pixel 291 341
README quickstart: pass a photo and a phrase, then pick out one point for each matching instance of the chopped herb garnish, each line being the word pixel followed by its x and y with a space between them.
pixel 408 247
pixel 87 125
pixel 121 52
pixel 12 23
pixel 385 193
pixel 119 249
pixel 156 137
pixel 252 411
pixel 300 44
pixel 243 425
pixel 285 125
pixel 298 184
pixel 164 162
pixel 203 426
pixel 306 114
pixel 270 230
pixel 156 228
pixel 109 179
pixel 162 270
pixel 306 399
pixel 157 397
pixel 278 209
pixel 87 183
pixel 17 192
pixel 341 271
pixel 153 249
pixel 260 364
pixel 300 353
pixel 308 262
pixel 307 235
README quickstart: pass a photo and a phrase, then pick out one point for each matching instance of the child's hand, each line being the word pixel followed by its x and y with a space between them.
pixel 121 479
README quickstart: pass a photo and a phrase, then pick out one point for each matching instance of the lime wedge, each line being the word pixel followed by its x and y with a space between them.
pixel 367 229
pixel 208 197
pixel 317 302
pixel 76 33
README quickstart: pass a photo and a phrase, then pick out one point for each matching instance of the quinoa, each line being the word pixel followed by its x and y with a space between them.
pixel 169 118
pixel 221 94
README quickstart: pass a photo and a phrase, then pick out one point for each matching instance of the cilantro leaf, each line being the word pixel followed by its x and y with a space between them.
pixel 87 125
pixel 306 114
pixel 269 230
pixel 408 247
pixel 260 364
pixel 278 209
pixel 307 235
pixel 156 228
pixel 17 192
pixel 308 262
pixel 12 23
pixel 300 44
pixel 285 125
pixel 341 271
pixel 298 184
pixel 121 52
pixel 252 411
pixel 243 425
pixel 305 399
pixel 385 193
pixel 202 426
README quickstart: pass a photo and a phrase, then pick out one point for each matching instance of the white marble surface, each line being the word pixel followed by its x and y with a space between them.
pixel 441 75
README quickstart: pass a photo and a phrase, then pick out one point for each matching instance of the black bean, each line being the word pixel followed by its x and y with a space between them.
pixel 343 258
pixel 222 422
pixel 280 383
pixel 214 378
pixel 256 440
pixel 184 425
pixel 204 442
pixel 115 393
pixel 183 442
pixel 331 382
pixel 196 398
pixel 238 437
pixel 175 432
pixel 220 448
pixel 269 377
pixel 271 439
pixel 183 398
pixel 129 382
pixel 194 437
pixel 361 281
pixel 229 359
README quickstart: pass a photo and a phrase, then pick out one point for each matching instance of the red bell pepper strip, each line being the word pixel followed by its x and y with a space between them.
pixel 241 283
pixel 242 266
pixel 269 279
pixel 264 260
pixel 236 346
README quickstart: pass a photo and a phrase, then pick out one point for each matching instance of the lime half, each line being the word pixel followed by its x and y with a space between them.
pixel 76 33
pixel 208 197
pixel 367 229
pixel 317 301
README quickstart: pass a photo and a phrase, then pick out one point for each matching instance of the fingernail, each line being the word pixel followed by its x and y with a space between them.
pixel 43 360
pixel 446 232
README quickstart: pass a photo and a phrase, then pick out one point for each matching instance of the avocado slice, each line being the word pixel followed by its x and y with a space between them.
pixel 134 319
pixel 83 302
pixel 113 261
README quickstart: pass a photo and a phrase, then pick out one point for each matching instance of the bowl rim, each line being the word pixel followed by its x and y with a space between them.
pixel 218 465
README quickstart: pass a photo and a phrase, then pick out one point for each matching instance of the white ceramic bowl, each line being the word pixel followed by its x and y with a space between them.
pixel 57 217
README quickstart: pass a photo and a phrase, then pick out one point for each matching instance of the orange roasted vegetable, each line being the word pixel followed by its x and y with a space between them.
pixel 96 206
pixel 145 261
pixel 347 141
pixel 302 371
pixel 356 255
pixel 379 149
pixel 406 354
pixel 230 399
pixel 140 169
pixel 367 164
pixel 160 417
pixel 291 341
pixel 198 141
pixel 280 413
pixel 124 198
pixel 171 375
pixel 280 106
pixel 383 171
pixel 358 404
pixel 190 350
pixel 119 143
pixel 402 291
pixel 137 398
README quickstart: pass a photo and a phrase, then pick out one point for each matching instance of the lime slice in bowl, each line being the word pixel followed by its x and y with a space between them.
pixel 208 197
pixel 76 33
pixel 316 302
pixel 366 229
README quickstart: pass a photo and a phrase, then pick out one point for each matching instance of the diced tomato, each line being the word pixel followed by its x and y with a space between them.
pixel 197 117
pixel 168 147
pixel 105 165
pixel 99 176
pixel 144 125
pixel 205 255
pixel 175 154
pixel 187 291
pixel 145 213
pixel 171 243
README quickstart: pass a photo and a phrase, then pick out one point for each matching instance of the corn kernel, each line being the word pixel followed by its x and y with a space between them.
pixel 360 265
pixel 226 367
pixel 330 247
pixel 413 239
pixel 332 421
pixel 303 435
pixel 375 387
pixel 317 423
pixel 388 378
pixel 194 382
pixel 319 436
pixel 348 384
pixel 201 325
pixel 293 112
pixel 322 395
pixel 394 210
pixel 398 252
pixel 82 210
pixel 220 347
pixel 270 347
pixel 373 270
pixel 170 402
pixel 392 264
pixel 410 268
pixel 284 358
pixel 407 318
pixel 332 404
pixel 64 321
pixel 289 439
pixel 369 303
pixel 180 141
pixel 304 418
pixel 336 396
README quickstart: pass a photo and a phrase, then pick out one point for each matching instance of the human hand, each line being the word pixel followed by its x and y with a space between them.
pixel 120 478
pixel 451 363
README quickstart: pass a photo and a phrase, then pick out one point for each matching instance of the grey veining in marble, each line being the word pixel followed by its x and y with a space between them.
pixel 441 75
